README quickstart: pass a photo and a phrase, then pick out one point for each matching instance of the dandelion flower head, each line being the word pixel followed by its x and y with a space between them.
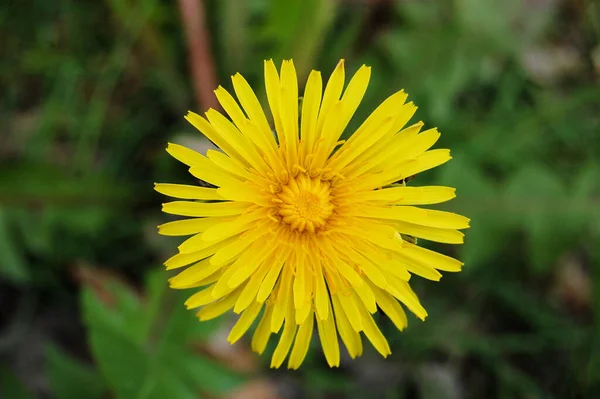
pixel 297 227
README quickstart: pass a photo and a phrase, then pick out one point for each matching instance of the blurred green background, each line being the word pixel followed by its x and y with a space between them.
pixel 91 91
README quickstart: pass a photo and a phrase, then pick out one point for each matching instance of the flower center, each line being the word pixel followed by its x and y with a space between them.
pixel 305 203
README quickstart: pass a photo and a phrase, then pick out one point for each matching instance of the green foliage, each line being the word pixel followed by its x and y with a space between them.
pixel 70 379
pixel 12 263
pixel 11 386
pixel 145 349
pixel 544 226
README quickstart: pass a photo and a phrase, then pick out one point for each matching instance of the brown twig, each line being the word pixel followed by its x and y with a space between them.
pixel 199 53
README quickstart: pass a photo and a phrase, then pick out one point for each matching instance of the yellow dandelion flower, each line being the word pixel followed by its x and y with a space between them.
pixel 302 228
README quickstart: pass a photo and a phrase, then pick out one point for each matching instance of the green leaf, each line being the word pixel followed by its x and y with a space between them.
pixel 200 370
pixel 11 387
pixel 124 317
pixel 585 205
pixel 539 201
pixel 69 378
pixel 12 263
pixel 144 347
pixel 124 364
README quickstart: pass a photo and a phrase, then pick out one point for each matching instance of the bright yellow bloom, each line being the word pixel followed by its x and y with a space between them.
pixel 302 227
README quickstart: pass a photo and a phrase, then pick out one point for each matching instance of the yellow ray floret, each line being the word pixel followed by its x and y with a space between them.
pixel 301 229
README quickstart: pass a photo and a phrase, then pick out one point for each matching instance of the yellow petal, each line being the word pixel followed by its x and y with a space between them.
pixel 217 137
pixel 285 342
pixel 353 95
pixel 241 269
pixel 302 342
pixel 365 133
pixel 216 309
pixel 321 294
pixel 357 283
pixel 230 251
pixel 340 113
pixel 244 322
pixel 211 173
pixel 210 279
pixel 193 274
pixel 303 311
pixel 263 331
pixel 447 236
pixel 273 159
pixel 377 233
pixel 405 114
pixel 446 220
pixel 222 139
pixel 185 155
pixel 250 265
pixel 333 90
pixel 196 243
pixel 248 295
pixel 434 259
pixel 367 297
pixel 349 306
pixel 401 290
pixel 232 227
pixel 284 297
pixel 349 153
pixel 231 107
pixel 390 307
pixel 187 226
pixel 235 139
pixel 350 337
pixel 310 111
pixel 200 298
pixel 272 87
pixel 398 146
pixel 424 162
pixel 229 164
pixel 187 192
pixel 409 195
pixel 372 271
pixel 328 338
pixel 323 147
pixel 289 110
pixel 253 108
pixel 266 287
pixel 202 209
pixel 300 277
pixel 204 251
pixel 348 273
pixel 398 171
pixel 418 268
pixel 373 333
pixel 410 214
pixel 394 268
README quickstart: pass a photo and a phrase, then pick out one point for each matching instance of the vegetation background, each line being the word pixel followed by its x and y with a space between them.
pixel 91 92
